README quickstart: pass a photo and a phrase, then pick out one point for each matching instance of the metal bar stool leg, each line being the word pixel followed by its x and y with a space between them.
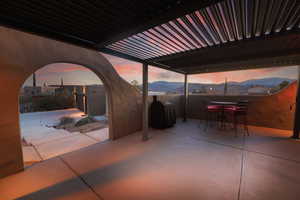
pixel 206 121
pixel 235 124
pixel 246 125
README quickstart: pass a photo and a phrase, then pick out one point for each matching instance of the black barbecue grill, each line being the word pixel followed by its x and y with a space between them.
pixel 162 115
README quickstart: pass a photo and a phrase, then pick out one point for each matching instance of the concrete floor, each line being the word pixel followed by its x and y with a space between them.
pixel 183 162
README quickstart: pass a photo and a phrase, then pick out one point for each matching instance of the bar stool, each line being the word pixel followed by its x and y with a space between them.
pixel 237 113
pixel 213 113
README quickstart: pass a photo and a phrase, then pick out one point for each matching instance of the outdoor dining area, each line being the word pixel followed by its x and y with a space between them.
pixel 219 148
pixel 223 113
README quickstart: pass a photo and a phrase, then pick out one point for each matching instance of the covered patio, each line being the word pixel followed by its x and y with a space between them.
pixel 182 162
pixel 185 161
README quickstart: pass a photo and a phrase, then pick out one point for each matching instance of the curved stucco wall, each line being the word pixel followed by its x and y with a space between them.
pixel 273 111
pixel 22 54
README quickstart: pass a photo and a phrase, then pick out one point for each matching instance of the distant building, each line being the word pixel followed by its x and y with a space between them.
pixel 46 90
pixel 258 90
pixel 31 91
pixel 201 90
pixel 237 90
pixel 66 90
pixel 152 93
pixel 26 106
pixel 90 99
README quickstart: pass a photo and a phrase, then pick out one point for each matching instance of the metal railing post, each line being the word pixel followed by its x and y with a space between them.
pixel 186 96
pixel 145 102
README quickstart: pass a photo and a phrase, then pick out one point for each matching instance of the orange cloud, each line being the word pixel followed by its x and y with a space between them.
pixel 60 68
pixel 130 70
pixel 243 75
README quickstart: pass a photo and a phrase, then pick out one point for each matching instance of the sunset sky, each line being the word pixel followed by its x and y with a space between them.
pixel 79 75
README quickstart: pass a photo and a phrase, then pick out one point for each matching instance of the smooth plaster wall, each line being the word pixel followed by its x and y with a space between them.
pixel 273 111
pixel 96 100
pixel 22 54
pixel 176 99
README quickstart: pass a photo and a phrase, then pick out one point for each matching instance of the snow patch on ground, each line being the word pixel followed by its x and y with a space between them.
pixel 47 142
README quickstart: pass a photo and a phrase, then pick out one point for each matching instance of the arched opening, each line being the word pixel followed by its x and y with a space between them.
pixel 63 107
pixel 24 54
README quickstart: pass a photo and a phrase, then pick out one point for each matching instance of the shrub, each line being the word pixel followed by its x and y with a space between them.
pixel 85 121
pixel 65 120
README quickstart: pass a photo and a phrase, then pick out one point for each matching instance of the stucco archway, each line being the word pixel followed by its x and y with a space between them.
pixel 21 55
pixel 108 93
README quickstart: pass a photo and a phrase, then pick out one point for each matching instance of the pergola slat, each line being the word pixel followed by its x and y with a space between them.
pixel 154 30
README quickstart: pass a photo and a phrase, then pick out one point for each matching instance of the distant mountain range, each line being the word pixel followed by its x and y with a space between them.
pixel 268 82
pixel 164 86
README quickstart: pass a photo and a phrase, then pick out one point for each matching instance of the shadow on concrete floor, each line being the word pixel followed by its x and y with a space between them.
pixel 182 162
